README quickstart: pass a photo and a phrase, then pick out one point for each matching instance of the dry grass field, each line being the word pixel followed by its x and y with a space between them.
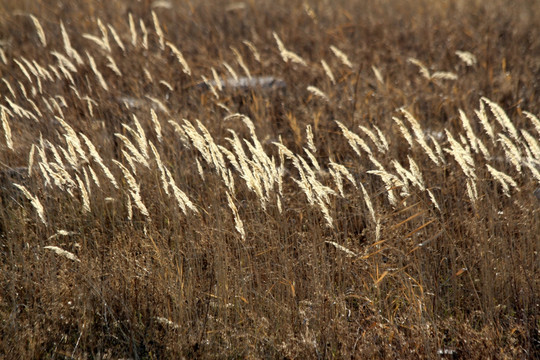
pixel 348 179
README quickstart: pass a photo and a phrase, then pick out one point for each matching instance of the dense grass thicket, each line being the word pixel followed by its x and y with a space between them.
pixel 269 179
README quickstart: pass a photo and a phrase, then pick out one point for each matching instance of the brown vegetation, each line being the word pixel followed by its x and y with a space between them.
pixel 371 197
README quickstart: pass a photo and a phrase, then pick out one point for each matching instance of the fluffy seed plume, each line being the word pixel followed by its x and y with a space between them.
pixel 180 132
pixel 371 135
pixel 405 175
pixel 7 130
pixel 130 162
pixel 404 131
pixel 288 55
pixel 135 154
pixel 56 155
pixel 390 182
pixel 101 81
pixel 444 75
pixel 433 200
pixel 23 69
pixel 502 118
pixel 199 168
pixel 369 204
pixel 129 208
pixel 180 196
pixel 343 171
pixel 338 180
pixel 95 155
pixel 98 41
pixel 160 165
pixel 503 179
pixel 67 46
pixel 72 141
pixel 230 70
pixel 417 129
pixel 328 71
pixel 116 38
pixel 313 159
pixel 462 156
pixel 382 139
pixel 64 62
pixel 148 75
pixel 159 32
pixel 533 168
pixel 112 65
pixel 348 252
pixel 317 92
pixel 104 35
pixel 140 137
pixel 421 67
pixel 87 181
pixel 34 201
pixel 94 176
pixel 473 140
pixel 417 174
pixel 10 89
pixel 217 80
pixel 482 116
pixel 253 50
pixel 471 190
pixel 309 138
pixel 43 167
pixel 132 29
pixel 534 119
pixel 62 252
pixel 468 58
pixel 84 195
pixel 134 189
pixel 158 104
pixel 238 224
pixel 303 183
pixel 31 159
pixel 378 75
pixel 145 34
pixel 326 214
pixel 167 323
pixel 157 125
pixel 240 61
pixel 39 30
pixel 180 58
pixel 341 56
pixel 354 139
pixel 512 152
pixel 532 143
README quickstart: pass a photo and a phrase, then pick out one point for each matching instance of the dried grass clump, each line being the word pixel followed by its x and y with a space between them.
pixel 175 184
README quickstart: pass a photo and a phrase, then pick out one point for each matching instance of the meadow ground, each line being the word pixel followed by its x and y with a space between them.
pixel 278 180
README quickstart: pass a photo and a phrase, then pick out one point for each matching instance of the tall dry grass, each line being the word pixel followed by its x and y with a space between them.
pixel 380 205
